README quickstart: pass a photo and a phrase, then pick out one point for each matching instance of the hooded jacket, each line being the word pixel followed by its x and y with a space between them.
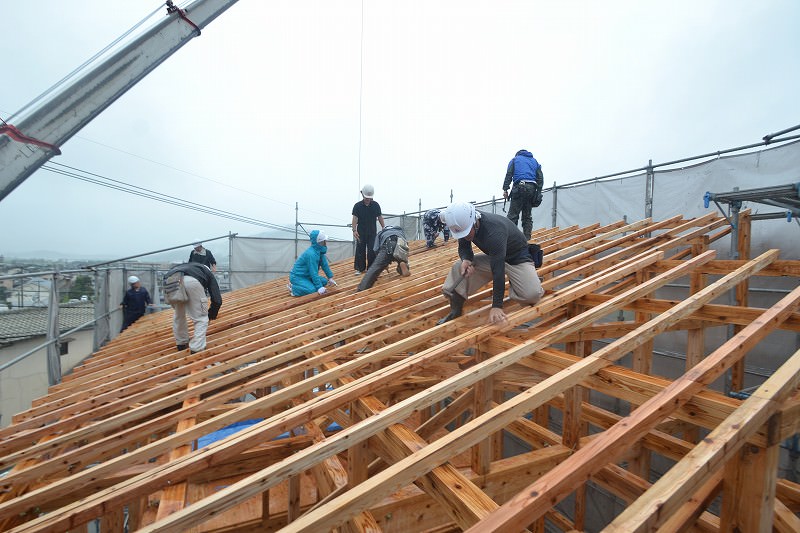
pixel 308 264
pixel 523 167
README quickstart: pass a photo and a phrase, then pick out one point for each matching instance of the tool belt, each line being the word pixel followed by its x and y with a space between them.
pixel 532 188
pixel 400 251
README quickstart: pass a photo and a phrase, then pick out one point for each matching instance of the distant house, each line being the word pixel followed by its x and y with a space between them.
pixel 23 329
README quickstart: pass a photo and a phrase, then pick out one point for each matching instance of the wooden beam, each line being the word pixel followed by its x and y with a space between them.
pixel 532 502
pixel 669 492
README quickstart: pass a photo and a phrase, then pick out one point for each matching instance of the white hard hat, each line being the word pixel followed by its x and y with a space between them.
pixel 133 279
pixel 321 237
pixel 459 217
pixel 368 191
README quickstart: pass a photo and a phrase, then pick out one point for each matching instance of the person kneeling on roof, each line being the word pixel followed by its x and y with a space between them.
pixel 304 277
pixel 432 225
pixel 390 245
pixel 505 251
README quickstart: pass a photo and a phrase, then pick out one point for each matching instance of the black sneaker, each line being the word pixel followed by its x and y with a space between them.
pixel 182 347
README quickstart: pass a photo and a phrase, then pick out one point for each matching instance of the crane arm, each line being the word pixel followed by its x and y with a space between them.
pixel 37 135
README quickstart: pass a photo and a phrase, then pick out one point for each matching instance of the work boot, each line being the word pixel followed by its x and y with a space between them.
pixel 456 308
pixel 182 347
pixel 403 269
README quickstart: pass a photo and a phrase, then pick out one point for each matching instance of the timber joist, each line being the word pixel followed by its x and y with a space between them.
pixel 355 411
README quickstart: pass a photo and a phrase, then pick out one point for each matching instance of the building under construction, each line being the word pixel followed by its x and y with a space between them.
pixel 653 388
pixel 355 411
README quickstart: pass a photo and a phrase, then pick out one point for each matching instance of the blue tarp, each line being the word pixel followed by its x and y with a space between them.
pixel 220 434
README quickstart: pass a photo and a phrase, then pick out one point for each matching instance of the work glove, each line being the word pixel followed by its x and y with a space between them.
pixel 322 290
pixel 213 311
pixel 331 282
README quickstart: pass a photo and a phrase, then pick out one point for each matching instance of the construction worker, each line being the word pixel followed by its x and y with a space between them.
pixel 365 214
pixel 526 173
pixel 505 251
pixel 202 255
pixel 197 279
pixel 134 303
pixel 390 245
pixel 432 225
pixel 304 277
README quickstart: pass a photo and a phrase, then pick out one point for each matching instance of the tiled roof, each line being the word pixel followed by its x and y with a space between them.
pixel 18 324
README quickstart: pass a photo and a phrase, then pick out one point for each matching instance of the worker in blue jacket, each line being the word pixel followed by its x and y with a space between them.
pixel 304 277
pixel 526 173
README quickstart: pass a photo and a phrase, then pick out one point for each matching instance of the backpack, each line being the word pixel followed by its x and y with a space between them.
pixel 174 291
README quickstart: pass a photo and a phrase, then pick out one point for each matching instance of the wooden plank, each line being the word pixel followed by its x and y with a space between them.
pixel 669 492
pixel 295 416
pixel 397 474
pixel 785 520
pixel 482 394
pixel 532 502
pixel 749 488
pixel 385 344
pixel 463 501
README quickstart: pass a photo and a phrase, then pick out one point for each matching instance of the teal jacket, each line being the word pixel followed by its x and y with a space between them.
pixel 304 275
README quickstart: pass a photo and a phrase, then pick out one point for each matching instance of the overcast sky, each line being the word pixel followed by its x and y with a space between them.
pixel 284 102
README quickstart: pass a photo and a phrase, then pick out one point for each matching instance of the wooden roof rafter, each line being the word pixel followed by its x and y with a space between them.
pixel 417 403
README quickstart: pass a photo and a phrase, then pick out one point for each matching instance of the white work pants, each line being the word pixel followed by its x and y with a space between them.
pixel 197 309
pixel 523 281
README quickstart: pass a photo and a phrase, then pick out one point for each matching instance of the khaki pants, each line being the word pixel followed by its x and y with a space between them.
pixel 197 309
pixel 523 280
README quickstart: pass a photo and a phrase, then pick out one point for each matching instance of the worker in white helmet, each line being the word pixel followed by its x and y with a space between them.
pixel 505 252
pixel 202 255
pixel 365 214
pixel 134 303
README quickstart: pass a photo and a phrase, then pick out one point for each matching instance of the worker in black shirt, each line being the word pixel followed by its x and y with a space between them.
pixel 203 256
pixel 365 214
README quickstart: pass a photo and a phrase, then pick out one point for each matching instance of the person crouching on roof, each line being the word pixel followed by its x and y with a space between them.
pixel 304 277
pixel 390 245
pixel 197 280
pixel 432 225
pixel 505 253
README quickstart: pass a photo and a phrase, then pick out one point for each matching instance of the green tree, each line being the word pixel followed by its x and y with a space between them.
pixel 3 294
pixel 83 285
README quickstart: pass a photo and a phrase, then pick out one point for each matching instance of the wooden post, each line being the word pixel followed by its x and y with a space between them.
pixel 265 508
pixel 358 455
pixel 481 453
pixel 293 496
pixel 571 431
pixel 749 487
pixel 695 340
pixel 743 247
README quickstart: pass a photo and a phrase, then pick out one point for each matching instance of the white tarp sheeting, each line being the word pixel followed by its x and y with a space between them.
pixel 681 192
pixel 675 192
pixel 254 260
